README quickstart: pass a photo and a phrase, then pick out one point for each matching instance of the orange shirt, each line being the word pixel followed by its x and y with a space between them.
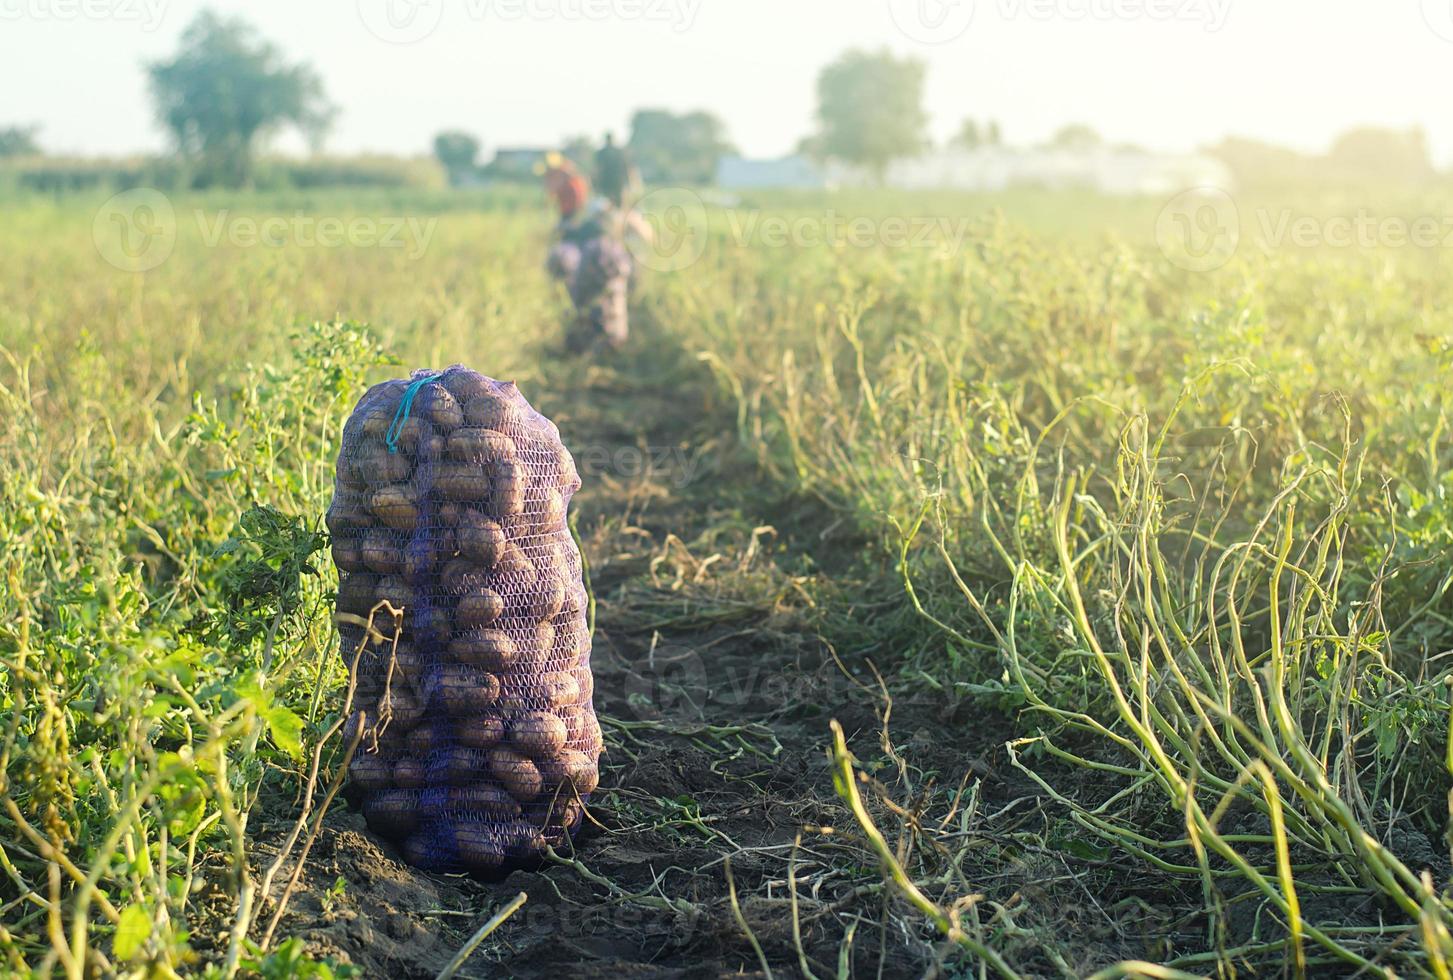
pixel 569 189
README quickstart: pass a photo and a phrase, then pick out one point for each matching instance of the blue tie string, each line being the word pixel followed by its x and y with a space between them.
pixel 391 438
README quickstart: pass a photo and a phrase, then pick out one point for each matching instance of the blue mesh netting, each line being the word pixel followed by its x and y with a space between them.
pixel 480 744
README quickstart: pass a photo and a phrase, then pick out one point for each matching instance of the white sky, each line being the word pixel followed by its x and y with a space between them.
pixel 523 72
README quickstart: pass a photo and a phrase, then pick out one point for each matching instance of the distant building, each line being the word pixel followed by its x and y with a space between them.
pixel 514 163
pixel 740 173
pixel 1107 169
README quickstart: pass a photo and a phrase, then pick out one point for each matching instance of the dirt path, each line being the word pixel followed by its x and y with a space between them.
pixel 715 693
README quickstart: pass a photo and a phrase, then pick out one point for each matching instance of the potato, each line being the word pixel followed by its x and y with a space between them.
pixel 575 770
pixel 482 847
pixel 480 539
pixel 422 741
pixel 415 433
pixel 490 649
pixel 428 624
pixel 515 571
pixel 396 505
pixel 393 590
pixel 538 649
pixel 576 599
pixel 586 680
pixel 481 800
pixel 545 597
pixel 348 511
pixel 386 663
pixel 461 481
pixel 381 552
pixel 461 576
pixel 560 688
pixel 521 691
pixel 538 734
pixel 508 481
pixel 399 710
pixel 365 718
pixel 478 609
pixel 493 411
pixel 374 424
pixel 421 561
pixel 465 385
pixel 347 555
pixel 482 732
pixel 464 692
pixel 355 593
pixel 434 403
pixel 523 841
pixel 546 508
pixel 410 773
pixel 474 444
pixel 572 641
pixel 561 466
pixel 370 771
pixel 515 773
pixel 583 730
pixel 393 812
pixel 463 766
pixel 419 850
pixel 376 466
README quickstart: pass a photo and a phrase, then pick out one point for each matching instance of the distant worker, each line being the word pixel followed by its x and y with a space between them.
pixel 569 190
pixel 612 171
pixel 600 285
pixel 566 185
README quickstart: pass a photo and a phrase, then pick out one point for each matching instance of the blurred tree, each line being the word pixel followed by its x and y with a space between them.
pixel 677 149
pixel 1257 164
pixel 969 136
pixel 226 90
pixel 18 141
pixel 1075 136
pixel 458 152
pixel 994 137
pixel 1369 153
pixel 580 150
pixel 870 108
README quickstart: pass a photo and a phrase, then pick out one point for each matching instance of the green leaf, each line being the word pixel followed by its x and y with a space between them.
pixel 286 728
pixel 132 932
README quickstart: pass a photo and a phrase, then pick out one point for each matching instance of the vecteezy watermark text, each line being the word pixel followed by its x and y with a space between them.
pixel 136 230
pixel 676 465
pixel 311 231
pixel 941 21
pixel 407 21
pixel 677 228
pixel 147 13
pixel 1201 229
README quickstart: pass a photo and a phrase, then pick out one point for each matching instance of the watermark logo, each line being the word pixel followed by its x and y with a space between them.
pixel 400 21
pixel 675 230
pixel 932 21
pixel 148 13
pixel 1438 15
pixel 135 230
pixel 1199 229
pixel 670 682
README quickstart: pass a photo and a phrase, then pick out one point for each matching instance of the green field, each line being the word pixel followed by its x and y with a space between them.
pixel 1126 586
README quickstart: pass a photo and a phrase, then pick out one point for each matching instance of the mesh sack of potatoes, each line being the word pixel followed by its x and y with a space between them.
pixel 478 744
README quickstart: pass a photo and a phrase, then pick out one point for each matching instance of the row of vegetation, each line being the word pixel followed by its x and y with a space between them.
pixel 1192 531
